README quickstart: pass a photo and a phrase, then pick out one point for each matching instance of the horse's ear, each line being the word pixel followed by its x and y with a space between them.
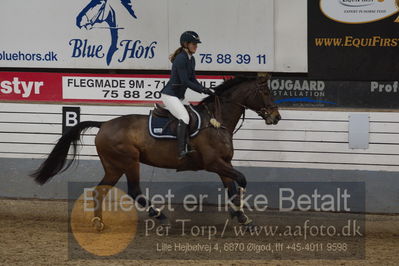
pixel 263 77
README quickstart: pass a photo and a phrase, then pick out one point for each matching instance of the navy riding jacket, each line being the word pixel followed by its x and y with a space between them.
pixel 182 77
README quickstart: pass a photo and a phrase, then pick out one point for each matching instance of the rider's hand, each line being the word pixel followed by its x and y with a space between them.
pixel 208 91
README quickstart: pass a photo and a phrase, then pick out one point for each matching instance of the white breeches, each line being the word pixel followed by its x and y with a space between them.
pixel 176 107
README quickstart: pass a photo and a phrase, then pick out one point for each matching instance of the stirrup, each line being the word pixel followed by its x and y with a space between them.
pixel 184 154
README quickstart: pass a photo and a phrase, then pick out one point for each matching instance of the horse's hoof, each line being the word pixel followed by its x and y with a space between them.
pixel 243 219
pixel 250 227
pixel 234 214
pixel 97 224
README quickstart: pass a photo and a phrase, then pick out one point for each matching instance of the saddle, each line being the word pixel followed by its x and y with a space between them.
pixel 162 124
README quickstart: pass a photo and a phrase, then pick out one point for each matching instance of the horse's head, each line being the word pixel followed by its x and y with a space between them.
pixel 95 12
pixel 257 97
pixel 250 93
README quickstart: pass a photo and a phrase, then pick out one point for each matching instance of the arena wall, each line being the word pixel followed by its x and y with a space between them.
pixel 306 146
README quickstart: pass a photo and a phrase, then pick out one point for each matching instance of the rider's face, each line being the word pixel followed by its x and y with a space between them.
pixel 192 47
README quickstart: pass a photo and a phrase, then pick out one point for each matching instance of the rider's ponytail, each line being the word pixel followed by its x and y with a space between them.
pixel 172 57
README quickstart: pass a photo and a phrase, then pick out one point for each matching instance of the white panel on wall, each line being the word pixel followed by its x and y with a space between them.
pixel 237 35
pixel 291 36
pixel 59 39
pixel 359 127
pixel 303 139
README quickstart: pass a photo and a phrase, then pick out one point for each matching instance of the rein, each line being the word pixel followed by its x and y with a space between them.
pixel 242 121
pixel 263 112
pixel 218 109
pixel 217 113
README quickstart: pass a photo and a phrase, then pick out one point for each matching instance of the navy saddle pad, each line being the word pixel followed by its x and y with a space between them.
pixel 163 128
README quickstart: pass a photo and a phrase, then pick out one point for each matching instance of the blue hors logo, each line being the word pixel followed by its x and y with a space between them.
pixel 100 14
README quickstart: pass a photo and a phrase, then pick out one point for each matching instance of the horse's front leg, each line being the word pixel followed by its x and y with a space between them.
pixel 236 196
pixel 236 201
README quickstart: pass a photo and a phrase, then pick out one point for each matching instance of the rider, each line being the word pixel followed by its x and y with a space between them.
pixel 182 76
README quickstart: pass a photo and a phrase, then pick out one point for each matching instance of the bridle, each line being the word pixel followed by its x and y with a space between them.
pixel 264 112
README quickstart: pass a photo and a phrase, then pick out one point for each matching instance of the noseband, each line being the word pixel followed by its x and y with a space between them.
pixel 263 112
pixel 268 109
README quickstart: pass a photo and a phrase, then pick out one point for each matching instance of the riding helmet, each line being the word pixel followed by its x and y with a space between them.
pixel 189 36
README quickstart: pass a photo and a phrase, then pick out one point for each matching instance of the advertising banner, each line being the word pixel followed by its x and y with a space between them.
pixel 298 92
pixel 101 88
pixel 237 35
pixel 307 93
pixel 353 40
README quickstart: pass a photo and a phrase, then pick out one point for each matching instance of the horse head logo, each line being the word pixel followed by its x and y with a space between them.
pixel 101 11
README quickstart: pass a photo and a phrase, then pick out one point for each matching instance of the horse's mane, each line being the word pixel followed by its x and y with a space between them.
pixel 225 86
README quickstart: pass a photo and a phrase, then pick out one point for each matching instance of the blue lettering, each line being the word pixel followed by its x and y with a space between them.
pixel 150 53
pixel 140 51
pixel 127 49
pixel 136 50
pixel 81 48
pixel 98 53
pixel 77 44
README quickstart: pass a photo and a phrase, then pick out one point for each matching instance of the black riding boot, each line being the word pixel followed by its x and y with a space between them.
pixel 182 139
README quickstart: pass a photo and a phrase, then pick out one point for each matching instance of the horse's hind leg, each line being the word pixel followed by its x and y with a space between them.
pixel 111 177
pixel 134 190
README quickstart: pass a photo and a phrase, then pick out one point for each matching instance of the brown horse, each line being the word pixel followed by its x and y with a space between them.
pixel 124 142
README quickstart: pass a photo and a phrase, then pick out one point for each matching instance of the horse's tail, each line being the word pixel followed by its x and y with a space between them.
pixel 55 162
